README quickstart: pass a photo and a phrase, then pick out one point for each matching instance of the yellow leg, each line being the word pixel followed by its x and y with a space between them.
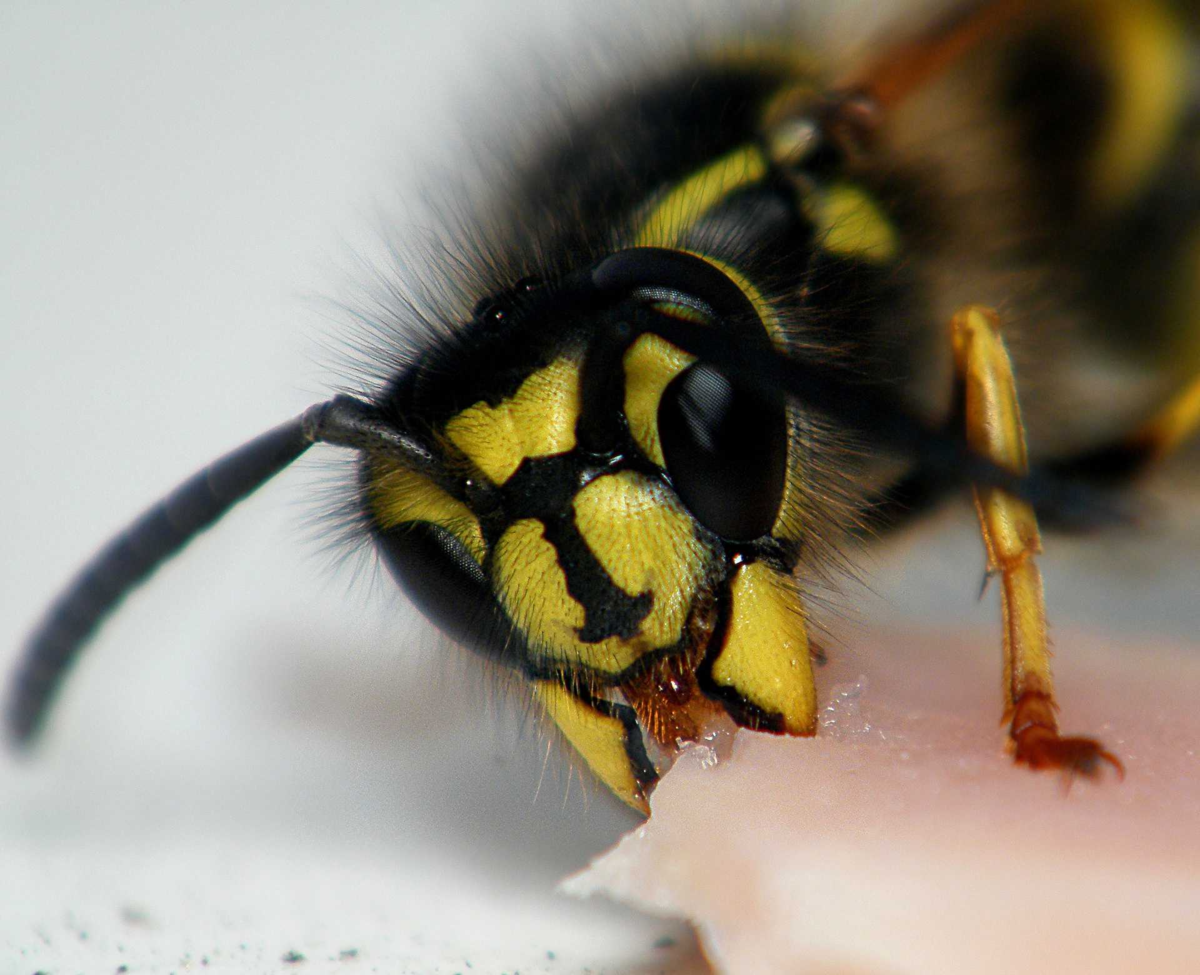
pixel 1010 535
pixel 1171 426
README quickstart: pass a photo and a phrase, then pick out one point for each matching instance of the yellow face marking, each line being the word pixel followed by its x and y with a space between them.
pixel 789 523
pixel 851 224
pixel 650 365
pixel 399 496
pixel 538 420
pixel 642 538
pixel 533 591
pixel 765 658
pixel 762 308
pixel 646 543
pixel 1147 49
pixel 684 313
pixel 672 216
pixel 599 739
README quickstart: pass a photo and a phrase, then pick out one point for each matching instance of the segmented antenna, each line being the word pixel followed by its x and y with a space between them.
pixel 164 529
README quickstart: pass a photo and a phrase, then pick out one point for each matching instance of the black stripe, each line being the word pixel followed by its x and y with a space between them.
pixel 635 742
pixel 608 610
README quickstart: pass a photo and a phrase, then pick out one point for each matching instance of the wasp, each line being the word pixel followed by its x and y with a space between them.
pixel 753 307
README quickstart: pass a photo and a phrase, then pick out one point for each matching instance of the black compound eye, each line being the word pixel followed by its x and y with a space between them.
pixel 725 449
pixel 449 588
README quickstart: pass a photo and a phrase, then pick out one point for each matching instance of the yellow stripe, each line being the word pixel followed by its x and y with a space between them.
pixel 679 210
pixel 536 421
pixel 1147 49
pixel 400 496
pixel 789 523
pixel 765 658
pixel 650 364
pixel 599 739
pixel 762 308
pixel 851 224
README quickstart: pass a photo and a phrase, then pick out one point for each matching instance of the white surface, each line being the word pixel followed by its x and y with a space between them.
pixel 903 840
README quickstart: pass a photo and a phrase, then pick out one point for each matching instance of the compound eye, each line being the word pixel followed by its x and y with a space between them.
pixel 449 588
pixel 725 449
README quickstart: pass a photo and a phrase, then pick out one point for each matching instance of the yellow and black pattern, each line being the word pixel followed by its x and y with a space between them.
pixel 642 587
pixel 601 572
pixel 597 573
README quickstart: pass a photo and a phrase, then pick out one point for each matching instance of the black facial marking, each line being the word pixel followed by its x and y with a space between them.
pixel 635 745
pixel 608 610
pixel 602 426
pixel 544 488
